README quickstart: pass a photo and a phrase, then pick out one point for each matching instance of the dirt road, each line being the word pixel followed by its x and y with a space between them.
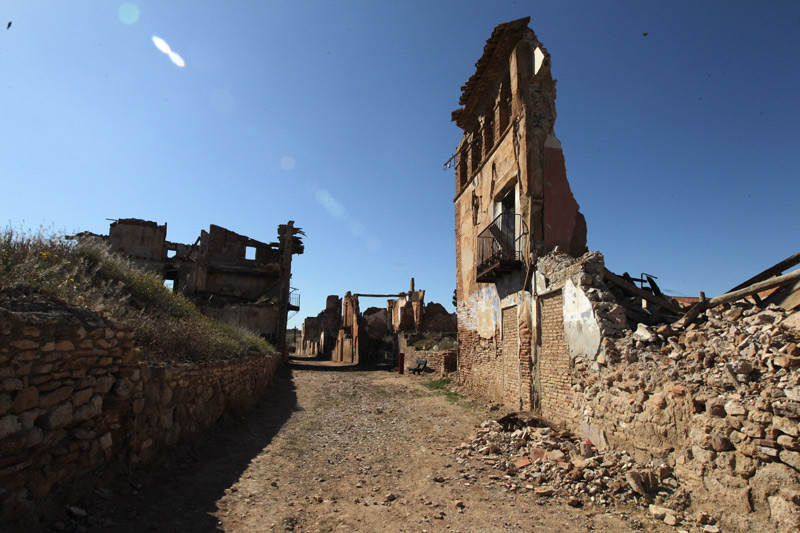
pixel 338 449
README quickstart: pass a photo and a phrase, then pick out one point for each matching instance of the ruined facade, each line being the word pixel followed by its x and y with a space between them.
pixel 709 392
pixel 342 333
pixel 318 336
pixel 512 203
pixel 230 277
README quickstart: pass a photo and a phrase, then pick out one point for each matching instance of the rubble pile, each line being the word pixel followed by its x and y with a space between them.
pixel 553 463
pixel 719 402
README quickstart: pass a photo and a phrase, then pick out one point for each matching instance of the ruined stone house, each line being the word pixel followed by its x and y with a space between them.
pixel 709 392
pixel 512 204
pixel 231 277
pixel 342 333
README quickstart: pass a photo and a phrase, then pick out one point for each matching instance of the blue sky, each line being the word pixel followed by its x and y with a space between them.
pixel 681 146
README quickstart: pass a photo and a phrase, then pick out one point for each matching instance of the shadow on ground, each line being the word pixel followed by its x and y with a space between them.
pixel 179 491
pixel 315 364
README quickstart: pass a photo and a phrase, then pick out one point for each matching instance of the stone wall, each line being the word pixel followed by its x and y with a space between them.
pixel 442 362
pixel 77 406
pixel 719 402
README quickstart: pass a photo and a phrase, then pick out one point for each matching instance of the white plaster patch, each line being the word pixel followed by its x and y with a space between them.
pixel 552 142
pixel 581 330
pixel 538 59
pixel 488 309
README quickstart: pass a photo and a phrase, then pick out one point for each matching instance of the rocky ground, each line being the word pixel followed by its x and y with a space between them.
pixel 339 449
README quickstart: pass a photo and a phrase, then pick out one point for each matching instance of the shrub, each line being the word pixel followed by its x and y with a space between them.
pixel 166 325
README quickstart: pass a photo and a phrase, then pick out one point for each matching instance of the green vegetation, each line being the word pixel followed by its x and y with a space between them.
pixel 440 385
pixel 166 325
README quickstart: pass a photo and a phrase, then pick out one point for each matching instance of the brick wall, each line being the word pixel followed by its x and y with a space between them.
pixel 77 407
pixel 510 377
pixel 554 362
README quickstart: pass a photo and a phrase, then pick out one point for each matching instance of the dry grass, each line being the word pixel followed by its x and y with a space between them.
pixel 166 325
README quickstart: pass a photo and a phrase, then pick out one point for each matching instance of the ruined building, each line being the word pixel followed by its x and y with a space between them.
pixel 512 203
pixel 344 334
pixel 231 277
pixel 708 393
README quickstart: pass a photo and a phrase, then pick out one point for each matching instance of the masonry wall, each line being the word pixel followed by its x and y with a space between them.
pixel 77 406
pixel 718 403
pixel 442 362
pixel 555 383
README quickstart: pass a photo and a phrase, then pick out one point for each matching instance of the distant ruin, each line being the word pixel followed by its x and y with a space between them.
pixel 230 277
pixel 344 334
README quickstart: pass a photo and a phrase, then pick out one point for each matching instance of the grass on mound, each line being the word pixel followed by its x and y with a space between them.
pixel 166 325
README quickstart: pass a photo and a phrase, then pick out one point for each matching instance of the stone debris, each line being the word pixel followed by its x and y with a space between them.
pixel 552 463
pixel 719 402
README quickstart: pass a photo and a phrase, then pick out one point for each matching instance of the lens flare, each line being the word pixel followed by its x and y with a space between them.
pixel 331 204
pixel 161 44
pixel 178 60
pixel 287 163
pixel 128 13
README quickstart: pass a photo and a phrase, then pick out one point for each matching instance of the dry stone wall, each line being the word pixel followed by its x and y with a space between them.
pixel 77 406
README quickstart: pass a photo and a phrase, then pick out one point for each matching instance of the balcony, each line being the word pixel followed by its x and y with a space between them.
pixel 501 248
pixel 294 299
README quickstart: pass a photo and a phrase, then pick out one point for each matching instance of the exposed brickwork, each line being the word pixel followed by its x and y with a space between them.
pixel 525 366
pixel 511 373
pixel 554 363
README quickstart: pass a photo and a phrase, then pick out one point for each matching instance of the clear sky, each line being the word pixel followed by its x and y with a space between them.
pixel 679 122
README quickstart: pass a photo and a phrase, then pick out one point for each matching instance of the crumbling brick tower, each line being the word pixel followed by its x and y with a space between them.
pixel 513 201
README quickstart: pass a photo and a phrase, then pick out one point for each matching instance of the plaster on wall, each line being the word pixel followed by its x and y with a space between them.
pixel 581 331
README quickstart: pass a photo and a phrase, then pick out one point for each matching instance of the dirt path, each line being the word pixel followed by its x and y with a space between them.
pixel 337 449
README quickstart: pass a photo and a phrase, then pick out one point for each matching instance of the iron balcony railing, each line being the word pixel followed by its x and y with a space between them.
pixel 294 298
pixel 501 247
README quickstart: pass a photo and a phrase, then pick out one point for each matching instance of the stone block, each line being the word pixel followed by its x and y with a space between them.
pixel 82 396
pixel 65 346
pixel 9 425
pixel 33 437
pixel 59 417
pixel 104 384
pixel 789 443
pixel 11 384
pixel 93 408
pixel 790 458
pixel 786 425
pixel 138 405
pixel 123 388
pixel 58 395
pixel 28 418
pixel 25 344
pixel 734 408
pixel 27 398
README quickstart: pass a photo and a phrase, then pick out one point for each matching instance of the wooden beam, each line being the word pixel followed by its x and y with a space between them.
pixel 732 296
pixel 379 295
pixel 636 291
pixel 771 271
pixel 771 283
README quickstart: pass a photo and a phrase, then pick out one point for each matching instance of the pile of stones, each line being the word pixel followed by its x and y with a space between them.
pixel 529 456
pixel 741 366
